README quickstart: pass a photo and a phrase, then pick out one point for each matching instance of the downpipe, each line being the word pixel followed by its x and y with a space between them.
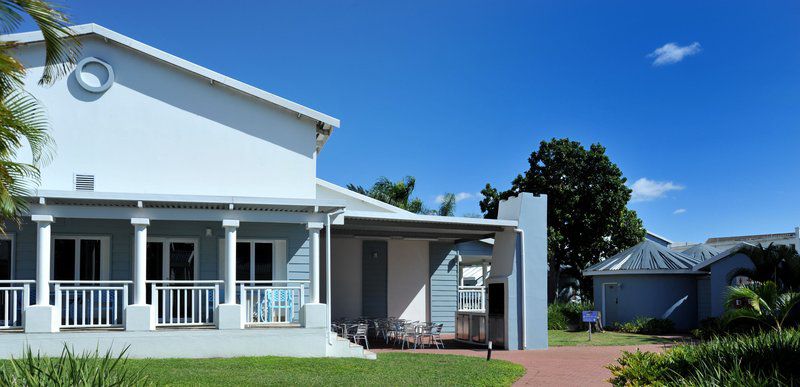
pixel 328 271
pixel 524 319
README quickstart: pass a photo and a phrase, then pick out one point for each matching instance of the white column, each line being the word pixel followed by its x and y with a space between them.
pixel 230 259
pixel 42 317
pixel 313 247
pixel 484 271
pixel 140 260
pixel 42 258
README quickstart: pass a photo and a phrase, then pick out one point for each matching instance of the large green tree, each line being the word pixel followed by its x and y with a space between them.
pixel 587 214
pixel 23 121
pixel 399 194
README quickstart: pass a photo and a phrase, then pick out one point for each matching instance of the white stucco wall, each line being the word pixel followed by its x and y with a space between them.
pixel 408 279
pixel 160 129
pixel 345 277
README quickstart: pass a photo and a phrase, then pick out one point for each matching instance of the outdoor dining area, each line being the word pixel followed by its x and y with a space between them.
pixel 390 331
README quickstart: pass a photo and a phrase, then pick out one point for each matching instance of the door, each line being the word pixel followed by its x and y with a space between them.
pixel 7 301
pixel 80 258
pixel 610 304
pixel 374 277
pixel 172 259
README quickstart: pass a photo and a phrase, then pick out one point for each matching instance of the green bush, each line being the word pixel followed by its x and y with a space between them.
pixel 646 326
pixel 70 369
pixel 566 316
pixel 770 356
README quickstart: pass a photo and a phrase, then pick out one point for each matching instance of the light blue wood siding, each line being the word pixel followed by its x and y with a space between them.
pixel 121 234
pixel 444 284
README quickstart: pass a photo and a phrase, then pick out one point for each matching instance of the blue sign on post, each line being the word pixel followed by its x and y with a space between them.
pixel 589 316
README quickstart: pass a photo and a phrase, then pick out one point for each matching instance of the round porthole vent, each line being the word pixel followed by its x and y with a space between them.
pixel 94 75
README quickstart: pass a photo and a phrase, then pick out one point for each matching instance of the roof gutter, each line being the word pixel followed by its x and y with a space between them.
pixel 328 270
pixel 521 233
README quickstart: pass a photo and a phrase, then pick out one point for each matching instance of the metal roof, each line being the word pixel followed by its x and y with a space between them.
pixel 701 251
pixel 647 257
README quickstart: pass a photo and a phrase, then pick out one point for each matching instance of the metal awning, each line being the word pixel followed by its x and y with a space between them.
pixel 421 227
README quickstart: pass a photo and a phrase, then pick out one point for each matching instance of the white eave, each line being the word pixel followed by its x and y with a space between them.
pixel 417 218
pixel 89 198
pixel 86 29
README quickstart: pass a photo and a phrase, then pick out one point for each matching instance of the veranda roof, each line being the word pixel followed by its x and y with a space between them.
pixel 647 257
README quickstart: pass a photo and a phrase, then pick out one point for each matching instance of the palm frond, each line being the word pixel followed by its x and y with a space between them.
pixel 61 46
pixel 448 205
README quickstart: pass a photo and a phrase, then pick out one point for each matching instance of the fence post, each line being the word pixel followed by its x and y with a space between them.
pixel 216 295
pixel 58 303
pixel 26 295
pixel 124 301
pixel 154 301
pixel 243 302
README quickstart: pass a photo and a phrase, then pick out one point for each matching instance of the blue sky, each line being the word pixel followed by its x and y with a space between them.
pixel 458 93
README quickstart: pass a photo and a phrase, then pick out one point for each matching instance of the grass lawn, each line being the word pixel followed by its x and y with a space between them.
pixel 566 339
pixel 388 369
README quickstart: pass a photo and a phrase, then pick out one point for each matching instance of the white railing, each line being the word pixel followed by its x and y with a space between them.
pixel 14 297
pixel 471 299
pixel 271 302
pixel 184 303
pixel 91 304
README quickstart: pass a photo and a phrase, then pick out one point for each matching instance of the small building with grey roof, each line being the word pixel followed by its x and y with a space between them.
pixel 647 280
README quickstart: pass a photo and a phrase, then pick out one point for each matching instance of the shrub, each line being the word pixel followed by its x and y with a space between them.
pixel 771 356
pixel 646 326
pixel 70 369
pixel 564 316
pixel 709 328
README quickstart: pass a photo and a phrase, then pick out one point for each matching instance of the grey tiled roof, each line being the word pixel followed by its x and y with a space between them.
pixel 702 251
pixel 647 255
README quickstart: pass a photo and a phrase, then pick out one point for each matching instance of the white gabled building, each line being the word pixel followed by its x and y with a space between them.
pixel 181 198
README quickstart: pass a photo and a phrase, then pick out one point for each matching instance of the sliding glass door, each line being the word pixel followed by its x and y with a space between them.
pixel 172 259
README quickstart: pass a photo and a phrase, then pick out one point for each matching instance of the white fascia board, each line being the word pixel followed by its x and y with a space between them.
pixel 116 196
pixel 639 272
pixel 85 29
pixel 358 196
pixel 669 242
pixel 411 217
pixel 725 254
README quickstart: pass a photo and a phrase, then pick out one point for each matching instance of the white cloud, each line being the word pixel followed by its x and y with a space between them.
pixel 679 211
pixel 459 197
pixel 645 190
pixel 672 53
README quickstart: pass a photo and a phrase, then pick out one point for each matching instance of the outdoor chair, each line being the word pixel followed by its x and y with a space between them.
pixel 361 334
pixel 434 335
pixel 410 331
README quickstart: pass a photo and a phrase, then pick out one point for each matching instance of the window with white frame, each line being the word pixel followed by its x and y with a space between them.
pixel 257 259
pixel 83 258
pixel 6 257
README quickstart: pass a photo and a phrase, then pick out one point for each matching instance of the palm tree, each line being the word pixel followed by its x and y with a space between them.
pixel 397 194
pixel 761 302
pixel 777 263
pixel 448 205
pixel 22 119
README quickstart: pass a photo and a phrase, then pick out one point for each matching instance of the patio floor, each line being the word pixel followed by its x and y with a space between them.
pixel 556 366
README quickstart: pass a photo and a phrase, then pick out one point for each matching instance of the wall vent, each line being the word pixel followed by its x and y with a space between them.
pixel 84 182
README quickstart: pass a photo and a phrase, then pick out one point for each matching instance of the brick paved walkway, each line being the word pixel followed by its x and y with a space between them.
pixel 557 366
